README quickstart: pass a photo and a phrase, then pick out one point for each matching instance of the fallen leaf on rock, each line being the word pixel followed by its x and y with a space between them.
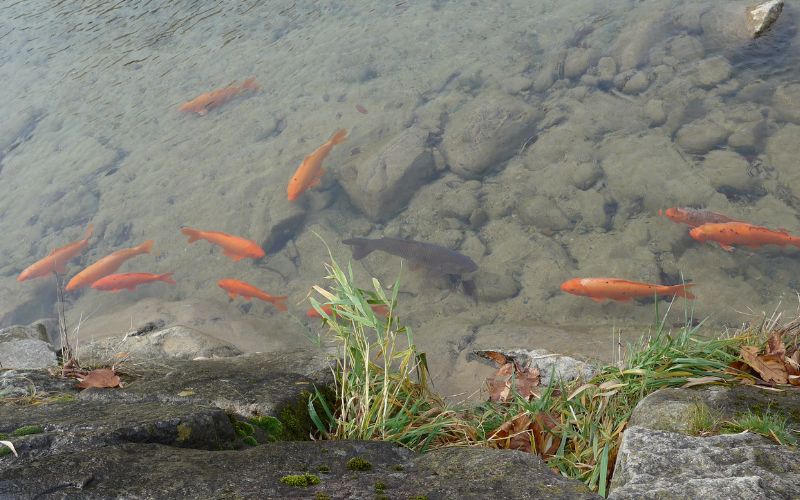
pixel 495 356
pixel 187 392
pixel 101 377
pixel 509 379
pixel 530 435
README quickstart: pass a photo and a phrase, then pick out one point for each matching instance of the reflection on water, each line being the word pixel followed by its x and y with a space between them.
pixel 540 140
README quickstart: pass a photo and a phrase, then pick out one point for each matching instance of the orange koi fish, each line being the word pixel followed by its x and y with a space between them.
pixel 233 246
pixel 600 289
pixel 741 233
pixel 105 266
pixel 694 217
pixel 129 281
pixel 310 172
pixel 379 309
pixel 56 260
pixel 204 102
pixel 247 291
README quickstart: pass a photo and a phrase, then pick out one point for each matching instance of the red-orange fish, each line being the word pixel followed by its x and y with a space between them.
pixel 204 102
pixel 235 247
pixel 247 291
pixel 56 260
pixel 129 281
pixel 600 289
pixel 379 309
pixel 741 233
pixel 694 217
pixel 105 266
pixel 310 172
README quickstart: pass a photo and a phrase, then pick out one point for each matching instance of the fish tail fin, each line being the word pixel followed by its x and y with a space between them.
pixel 193 234
pixel 280 303
pixel 251 84
pixel 681 290
pixel 339 136
pixel 360 247
pixel 145 247
pixel 167 278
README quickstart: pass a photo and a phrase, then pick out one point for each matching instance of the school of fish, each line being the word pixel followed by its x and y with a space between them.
pixel 706 226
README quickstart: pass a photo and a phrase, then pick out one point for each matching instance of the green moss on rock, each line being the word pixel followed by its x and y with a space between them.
pixel 300 480
pixel 322 496
pixel 243 429
pixel 184 432
pixel 324 469
pixel 27 430
pixel 250 440
pixel 359 464
pixel 271 426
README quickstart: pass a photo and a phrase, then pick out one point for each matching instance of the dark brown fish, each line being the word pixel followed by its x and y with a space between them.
pixel 428 255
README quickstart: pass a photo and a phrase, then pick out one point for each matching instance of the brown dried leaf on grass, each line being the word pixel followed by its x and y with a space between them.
pixel 101 377
pixel 529 435
pixel 769 367
pixel 510 379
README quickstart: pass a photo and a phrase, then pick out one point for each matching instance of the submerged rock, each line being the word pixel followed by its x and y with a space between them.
pixel 383 184
pixel 761 17
pixel 488 131
pixel 787 102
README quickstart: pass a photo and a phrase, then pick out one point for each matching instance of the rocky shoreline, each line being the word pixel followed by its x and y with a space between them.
pixel 237 427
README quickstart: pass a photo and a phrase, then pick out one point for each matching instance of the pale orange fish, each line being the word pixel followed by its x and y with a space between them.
pixel 600 289
pixel 694 217
pixel 379 309
pixel 741 233
pixel 247 291
pixel 204 102
pixel 235 247
pixel 129 281
pixel 310 171
pixel 56 260
pixel 105 266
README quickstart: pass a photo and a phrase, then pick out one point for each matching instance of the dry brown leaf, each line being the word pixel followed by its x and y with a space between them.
pixel 794 379
pixel 495 356
pixel 771 368
pixel 101 377
pixel 514 434
pixel 510 379
pixel 692 381
pixel 775 345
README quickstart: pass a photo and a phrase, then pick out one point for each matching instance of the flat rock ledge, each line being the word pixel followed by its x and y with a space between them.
pixel 657 459
pixel 207 429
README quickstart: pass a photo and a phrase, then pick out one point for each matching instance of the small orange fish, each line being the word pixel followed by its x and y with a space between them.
pixel 247 291
pixel 56 260
pixel 129 281
pixel 741 233
pixel 379 309
pixel 694 217
pixel 600 289
pixel 310 171
pixel 106 266
pixel 204 102
pixel 233 246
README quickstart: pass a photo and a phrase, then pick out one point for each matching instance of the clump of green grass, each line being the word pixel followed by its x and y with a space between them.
pixel 769 424
pixel 381 380
pixel 703 421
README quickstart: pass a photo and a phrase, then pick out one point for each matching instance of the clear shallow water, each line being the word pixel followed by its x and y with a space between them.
pixel 544 139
